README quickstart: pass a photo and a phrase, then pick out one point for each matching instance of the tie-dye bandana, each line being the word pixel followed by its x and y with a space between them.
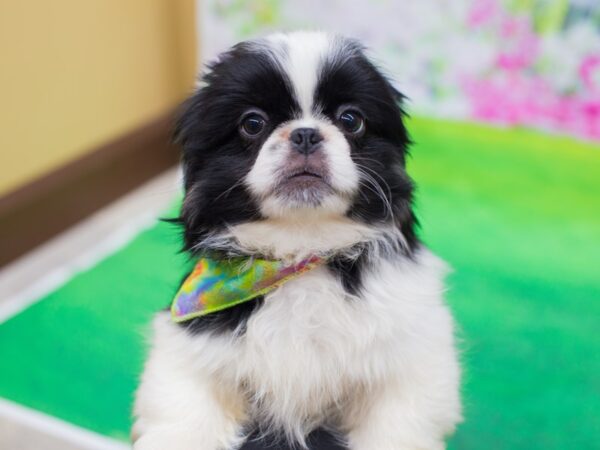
pixel 218 284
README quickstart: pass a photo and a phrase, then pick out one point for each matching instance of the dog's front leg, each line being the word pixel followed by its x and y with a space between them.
pixel 178 406
pixel 401 418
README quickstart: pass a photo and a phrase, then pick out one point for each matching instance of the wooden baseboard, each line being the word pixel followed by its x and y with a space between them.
pixel 43 208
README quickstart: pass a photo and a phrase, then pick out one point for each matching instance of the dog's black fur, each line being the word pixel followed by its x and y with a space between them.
pixel 216 157
pixel 320 439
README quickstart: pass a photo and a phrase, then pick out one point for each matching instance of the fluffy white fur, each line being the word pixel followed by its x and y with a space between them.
pixel 382 368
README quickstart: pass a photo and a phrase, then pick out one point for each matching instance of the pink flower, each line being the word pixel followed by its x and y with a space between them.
pixel 482 12
pixel 590 68
pixel 518 99
pixel 522 44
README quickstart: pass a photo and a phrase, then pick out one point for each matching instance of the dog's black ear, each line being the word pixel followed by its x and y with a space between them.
pixel 196 113
pixel 389 98
pixel 401 100
pixel 399 97
pixel 184 131
pixel 194 124
pixel 181 131
pixel 203 120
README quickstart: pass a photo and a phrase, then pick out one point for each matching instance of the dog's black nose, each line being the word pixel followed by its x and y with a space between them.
pixel 306 140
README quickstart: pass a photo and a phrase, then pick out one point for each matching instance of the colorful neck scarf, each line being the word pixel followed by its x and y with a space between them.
pixel 215 285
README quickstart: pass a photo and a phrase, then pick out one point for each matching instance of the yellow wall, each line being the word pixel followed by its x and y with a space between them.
pixel 76 73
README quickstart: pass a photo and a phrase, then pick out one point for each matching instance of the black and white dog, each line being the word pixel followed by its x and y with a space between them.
pixel 294 146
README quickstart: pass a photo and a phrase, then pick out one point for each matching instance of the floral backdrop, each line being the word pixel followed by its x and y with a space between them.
pixel 533 63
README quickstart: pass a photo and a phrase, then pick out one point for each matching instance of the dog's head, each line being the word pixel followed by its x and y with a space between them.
pixel 297 129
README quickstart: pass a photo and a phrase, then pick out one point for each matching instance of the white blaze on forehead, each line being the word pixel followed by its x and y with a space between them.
pixel 302 55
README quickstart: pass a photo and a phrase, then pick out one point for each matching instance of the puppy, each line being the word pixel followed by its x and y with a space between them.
pixel 294 148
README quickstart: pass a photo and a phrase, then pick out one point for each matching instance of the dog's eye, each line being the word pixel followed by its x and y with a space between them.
pixel 253 124
pixel 352 122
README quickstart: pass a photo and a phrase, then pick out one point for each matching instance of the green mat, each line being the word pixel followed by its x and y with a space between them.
pixel 517 214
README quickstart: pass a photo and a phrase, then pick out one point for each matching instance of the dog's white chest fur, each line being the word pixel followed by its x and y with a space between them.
pixel 313 354
pixel 312 345
pixel 297 354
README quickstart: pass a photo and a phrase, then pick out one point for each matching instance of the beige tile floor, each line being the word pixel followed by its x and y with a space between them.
pixel 16 436
pixel 24 429
pixel 74 250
